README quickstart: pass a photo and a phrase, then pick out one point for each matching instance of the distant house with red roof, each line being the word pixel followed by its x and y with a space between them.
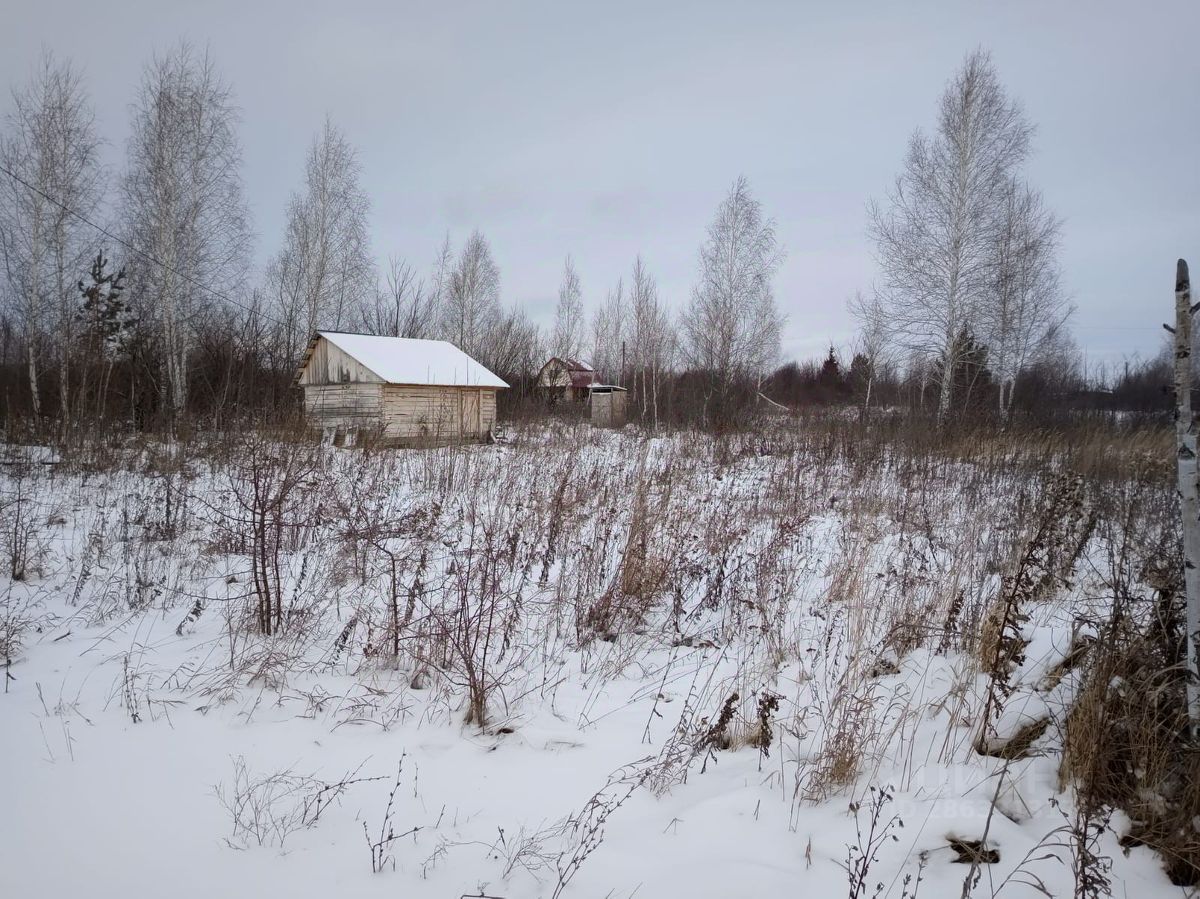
pixel 566 379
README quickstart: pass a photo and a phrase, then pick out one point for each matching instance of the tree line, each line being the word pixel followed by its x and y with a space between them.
pixel 131 297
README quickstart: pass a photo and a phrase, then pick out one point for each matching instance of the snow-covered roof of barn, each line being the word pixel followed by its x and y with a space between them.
pixel 404 360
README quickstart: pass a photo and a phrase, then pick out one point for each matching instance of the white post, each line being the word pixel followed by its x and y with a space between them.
pixel 1189 500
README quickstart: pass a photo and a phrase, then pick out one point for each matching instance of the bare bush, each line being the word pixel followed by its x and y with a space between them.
pixel 383 846
pixel 270 485
pixel 266 809
pixel 864 854
pixel 481 609
pixel 391 537
pixel 24 516
pixel 21 613
pixel 585 830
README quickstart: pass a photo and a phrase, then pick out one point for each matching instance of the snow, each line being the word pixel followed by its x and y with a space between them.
pixel 403 360
pixel 789 571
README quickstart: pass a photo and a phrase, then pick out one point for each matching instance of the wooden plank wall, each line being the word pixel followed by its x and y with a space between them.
pixel 438 413
pixel 329 365
pixel 352 405
pixel 488 400
pixel 554 374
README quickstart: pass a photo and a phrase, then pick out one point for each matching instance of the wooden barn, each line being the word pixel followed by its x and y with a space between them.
pixel 405 391
pixel 566 379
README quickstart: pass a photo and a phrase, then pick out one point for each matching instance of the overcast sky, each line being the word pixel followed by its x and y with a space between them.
pixel 608 129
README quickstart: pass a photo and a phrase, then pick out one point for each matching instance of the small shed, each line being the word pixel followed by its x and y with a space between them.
pixel 407 391
pixel 566 379
pixel 608 405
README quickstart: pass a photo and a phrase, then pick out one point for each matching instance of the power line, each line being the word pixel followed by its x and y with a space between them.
pixel 131 248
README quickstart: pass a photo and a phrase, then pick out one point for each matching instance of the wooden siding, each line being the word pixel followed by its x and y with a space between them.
pixel 343 405
pixel 405 414
pixel 488 398
pixel 437 414
pixel 554 374
pixel 329 365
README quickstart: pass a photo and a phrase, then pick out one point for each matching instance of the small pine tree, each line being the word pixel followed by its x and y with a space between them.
pixel 107 330
pixel 104 312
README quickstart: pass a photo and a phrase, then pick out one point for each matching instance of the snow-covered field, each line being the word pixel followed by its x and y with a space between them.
pixel 585 663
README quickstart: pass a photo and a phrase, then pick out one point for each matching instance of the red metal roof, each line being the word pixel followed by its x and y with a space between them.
pixel 582 377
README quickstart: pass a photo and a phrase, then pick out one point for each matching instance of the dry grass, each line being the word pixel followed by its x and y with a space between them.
pixel 794 574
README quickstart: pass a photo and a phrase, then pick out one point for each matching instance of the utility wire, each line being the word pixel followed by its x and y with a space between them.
pixel 131 248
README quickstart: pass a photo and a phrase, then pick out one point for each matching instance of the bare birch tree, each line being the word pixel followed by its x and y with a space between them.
pixel 51 145
pixel 440 280
pixel 936 235
pixel 323 275
pixel 471 302
pixel 511 347
pixel 1028 308
pixel 873 337
pixel 731 330
pixel 403 306
pixel 651 339
pixel 567 338
pixel 609 332
pixel 183 204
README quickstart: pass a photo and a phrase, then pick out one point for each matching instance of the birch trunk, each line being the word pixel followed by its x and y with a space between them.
pixel 946 388
pixel 32 311
pixel 1189 501
pixel 31 358
pixel 64 295
pixel 654 392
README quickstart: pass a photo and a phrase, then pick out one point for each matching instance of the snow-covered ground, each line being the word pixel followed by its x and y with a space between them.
pixel 693 659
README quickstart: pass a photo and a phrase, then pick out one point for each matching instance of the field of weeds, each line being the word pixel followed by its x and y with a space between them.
pixel 820 659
